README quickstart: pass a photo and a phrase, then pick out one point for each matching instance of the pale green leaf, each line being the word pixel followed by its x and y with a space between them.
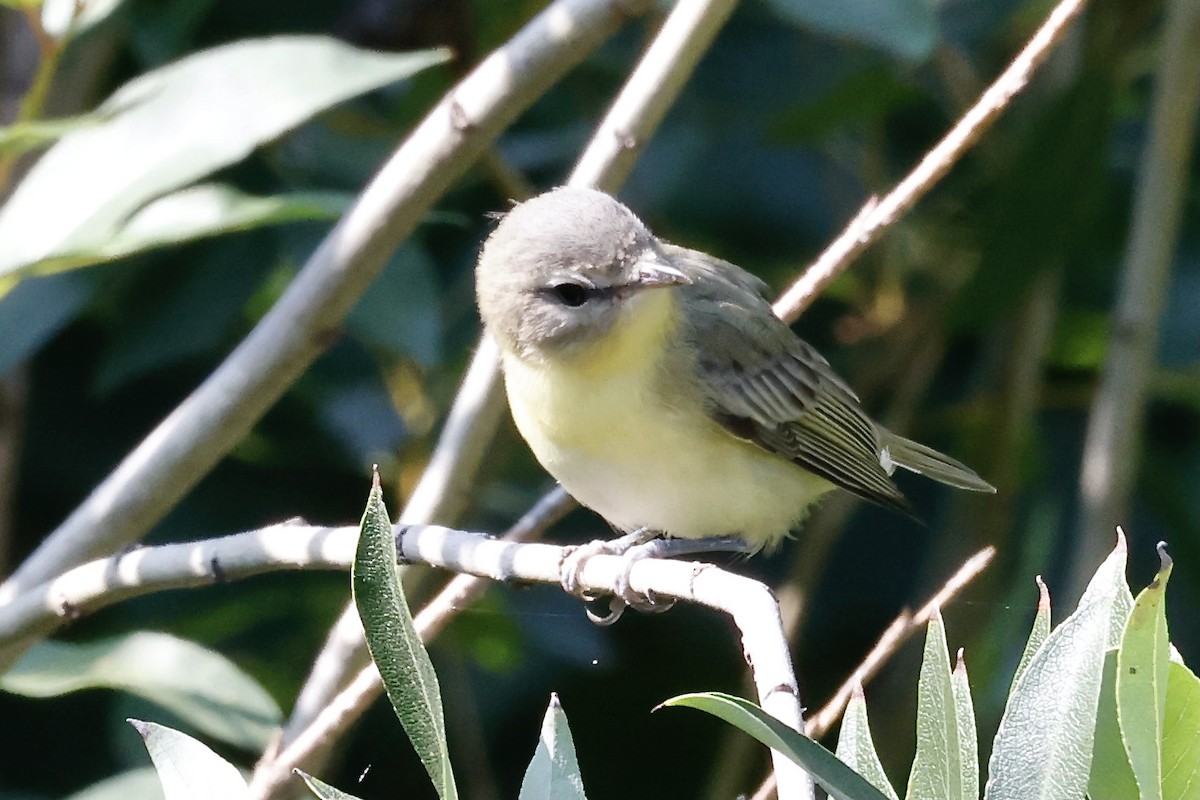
pixel 553 772
pixel 198 685
pixel 968 744
pixel 187 769
pixel 73 17
pixel 1041 629
pixel 134 784
pixel 1181 735
pixel 324 790
pixel 839 780
pixel 1043 748
pixel 1111 777
pixel 856 748
pixel 936 770
pixel 408 676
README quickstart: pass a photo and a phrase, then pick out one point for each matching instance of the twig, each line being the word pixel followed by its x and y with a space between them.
pixel 896 634
pixel 901 628
pixel 876 214
pixel 1113 441
pixel 185 446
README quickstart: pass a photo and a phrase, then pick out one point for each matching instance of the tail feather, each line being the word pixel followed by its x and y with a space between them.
pixel 929 462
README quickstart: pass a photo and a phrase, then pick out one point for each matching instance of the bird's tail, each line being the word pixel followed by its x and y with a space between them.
pixel 929 462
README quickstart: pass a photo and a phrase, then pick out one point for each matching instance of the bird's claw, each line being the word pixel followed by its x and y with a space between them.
pixel 633 548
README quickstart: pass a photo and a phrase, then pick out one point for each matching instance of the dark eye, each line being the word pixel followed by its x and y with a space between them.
pixel 571 294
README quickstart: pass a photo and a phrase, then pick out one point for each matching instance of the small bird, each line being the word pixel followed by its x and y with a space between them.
pixel 657 386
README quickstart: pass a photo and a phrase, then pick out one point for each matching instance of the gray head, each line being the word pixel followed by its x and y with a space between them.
pixel 560 269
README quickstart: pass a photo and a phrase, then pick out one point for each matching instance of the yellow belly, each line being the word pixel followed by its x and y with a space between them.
pixel 641 454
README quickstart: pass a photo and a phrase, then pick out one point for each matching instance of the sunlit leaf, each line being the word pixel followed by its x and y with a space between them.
pixel 1041 629
pixel 324 790
pixel 187 769
pixel 553 772
pixel 936 770
pixel 855 747
pixel 403 662
pixel 134 784
pixel 841 782
pixel 968 743
pixel 1181 735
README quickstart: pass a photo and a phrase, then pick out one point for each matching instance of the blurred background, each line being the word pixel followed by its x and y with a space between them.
pixel 979 324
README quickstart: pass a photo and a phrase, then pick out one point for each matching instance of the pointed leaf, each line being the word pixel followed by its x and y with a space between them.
pixel 855 747
pixel 173 126
pixel 936 771
pixel 1181 735
pixel 1142 662
pixel 841 782
pixel 968 744
pixel 324 790
pixel 553 773
pixel 1043 748
pixel 199 685
pixel 1041 629
pixel 187 769
pixel 403 662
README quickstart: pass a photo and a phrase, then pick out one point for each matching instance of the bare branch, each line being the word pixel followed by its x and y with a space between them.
pixel 869 223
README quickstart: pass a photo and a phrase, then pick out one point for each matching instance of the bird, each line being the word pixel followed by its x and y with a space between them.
pixel 657 386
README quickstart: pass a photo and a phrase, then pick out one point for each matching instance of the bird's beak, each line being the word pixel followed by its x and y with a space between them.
pixel 654 271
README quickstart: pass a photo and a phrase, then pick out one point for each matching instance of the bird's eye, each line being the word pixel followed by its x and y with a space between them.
pixel 571 294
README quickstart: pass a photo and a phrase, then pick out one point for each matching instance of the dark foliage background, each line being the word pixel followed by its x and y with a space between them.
pixel 779 138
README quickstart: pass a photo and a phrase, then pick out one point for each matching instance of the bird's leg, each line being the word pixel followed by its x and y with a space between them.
pixel 642 543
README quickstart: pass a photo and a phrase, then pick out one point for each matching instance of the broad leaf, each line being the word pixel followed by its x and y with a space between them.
pixel 173 126
pixel 187 769
pixel 1181 735
pixel 841 782
pixel 199 685
pixel 553 772
pixel 1111 777
pixel 1043 748
pixel 134 784
pixel 403 662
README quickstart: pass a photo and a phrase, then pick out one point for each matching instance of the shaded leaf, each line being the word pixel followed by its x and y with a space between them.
pixel 187 769
pixel 171 127
pixel 553 772
pixel 841 782
pixel 134 784
pixel 34 312
pixel 195 683
pixel 408 675
pixel 855 747
pixel 1043 748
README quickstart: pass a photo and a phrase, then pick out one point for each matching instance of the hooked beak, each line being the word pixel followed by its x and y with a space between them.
pixel 654 271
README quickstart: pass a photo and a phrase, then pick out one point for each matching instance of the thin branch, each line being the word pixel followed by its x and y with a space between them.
pixel 186 445
pixel 904 626
pixel 1113 442
pixel 871 220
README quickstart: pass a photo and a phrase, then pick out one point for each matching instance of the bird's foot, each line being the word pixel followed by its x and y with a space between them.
pixel 634 547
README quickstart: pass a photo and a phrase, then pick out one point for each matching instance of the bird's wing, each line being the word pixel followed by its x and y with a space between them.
pixel 767 386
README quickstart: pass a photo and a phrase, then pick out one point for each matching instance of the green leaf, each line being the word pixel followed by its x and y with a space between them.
pixel 173 126
pixel 855 747
pixel 968 744
pixel 35 311
pixel 324 790
pixel 21 137
pixel 839 780
pixel 1111 777
pixel 553 772
pixel 199 685
pixel 403 662
pixel 1181 735
pixel 134 784
pixel 187 769
pixel 1142 662
pixel 1043 747
pixel 1041 629
pixel 61 18
pixel 936 771
pixel 905 28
